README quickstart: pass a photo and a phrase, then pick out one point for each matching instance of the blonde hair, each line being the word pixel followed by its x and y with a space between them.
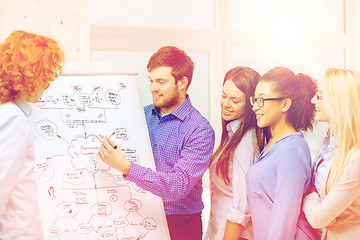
pixel 28 62
pixel 341 99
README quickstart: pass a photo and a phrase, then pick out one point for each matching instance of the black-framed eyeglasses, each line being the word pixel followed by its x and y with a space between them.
pixel 260 101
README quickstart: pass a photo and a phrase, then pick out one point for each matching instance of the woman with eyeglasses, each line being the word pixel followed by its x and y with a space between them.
pixel 335 205
pixel 241 142
pixel 281 176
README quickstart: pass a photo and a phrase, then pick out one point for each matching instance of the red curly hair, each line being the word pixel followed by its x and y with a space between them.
pixel 28 62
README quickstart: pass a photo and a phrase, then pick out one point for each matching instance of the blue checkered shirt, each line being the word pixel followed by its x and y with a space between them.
pixel 182 144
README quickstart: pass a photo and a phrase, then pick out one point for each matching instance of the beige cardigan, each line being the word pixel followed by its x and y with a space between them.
pixel 338 212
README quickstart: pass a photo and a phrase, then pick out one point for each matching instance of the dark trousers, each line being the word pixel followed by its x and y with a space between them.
pixel 185 227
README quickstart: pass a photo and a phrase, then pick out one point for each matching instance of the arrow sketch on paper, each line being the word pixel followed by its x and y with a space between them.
pixel 80 196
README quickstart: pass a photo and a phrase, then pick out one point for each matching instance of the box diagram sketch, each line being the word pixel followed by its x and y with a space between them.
pixel 80 196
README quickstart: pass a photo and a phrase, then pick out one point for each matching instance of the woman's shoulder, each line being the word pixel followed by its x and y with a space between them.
pixel 355 152
pixel 248 141
pixel 294 142
pixel 13 117
pixel 294 148
pixel 10 110
pixel 354 156
pixel 352 168
pixel 251 132
pixel 250 136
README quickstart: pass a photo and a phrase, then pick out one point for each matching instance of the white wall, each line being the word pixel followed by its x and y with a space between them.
pixel 64 20
pixel 304 35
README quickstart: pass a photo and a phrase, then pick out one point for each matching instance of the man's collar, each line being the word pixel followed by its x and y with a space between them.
pixel 180 112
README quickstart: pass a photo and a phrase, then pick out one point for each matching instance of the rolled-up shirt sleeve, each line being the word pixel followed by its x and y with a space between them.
pixel 188 170
pixel 243 158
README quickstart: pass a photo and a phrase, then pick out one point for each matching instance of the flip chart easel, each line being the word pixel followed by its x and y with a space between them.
pixel 80 196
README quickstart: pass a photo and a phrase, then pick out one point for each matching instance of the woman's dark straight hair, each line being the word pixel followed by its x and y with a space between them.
pixel 246 80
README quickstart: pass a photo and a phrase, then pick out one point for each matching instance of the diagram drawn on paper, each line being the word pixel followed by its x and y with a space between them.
pixel 80 196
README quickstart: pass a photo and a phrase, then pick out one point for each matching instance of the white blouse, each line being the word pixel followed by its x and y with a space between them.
pixel 229 202
pixel 19 211
pixel 323 160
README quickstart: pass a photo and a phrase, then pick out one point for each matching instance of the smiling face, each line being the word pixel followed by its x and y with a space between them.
pixel 271 113
pixel 232 102
pixel 167 95
pixel 320 111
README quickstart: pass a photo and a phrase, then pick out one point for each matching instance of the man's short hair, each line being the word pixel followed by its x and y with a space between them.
pixel 170 56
